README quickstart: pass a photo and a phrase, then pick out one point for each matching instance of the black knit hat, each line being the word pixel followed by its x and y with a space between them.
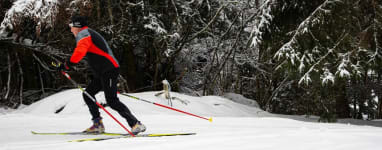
pixel 79 21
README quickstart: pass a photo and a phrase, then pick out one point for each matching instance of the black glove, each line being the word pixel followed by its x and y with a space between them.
pixel 66 66
pixel 62 67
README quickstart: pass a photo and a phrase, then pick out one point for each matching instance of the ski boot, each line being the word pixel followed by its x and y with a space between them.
pixel 96 128
pixel 137 128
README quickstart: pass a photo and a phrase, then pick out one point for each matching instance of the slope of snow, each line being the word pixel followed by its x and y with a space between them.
pixel 234 126
pixel 72 103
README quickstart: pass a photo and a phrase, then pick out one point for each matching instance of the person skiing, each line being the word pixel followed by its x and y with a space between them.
pixel 105 68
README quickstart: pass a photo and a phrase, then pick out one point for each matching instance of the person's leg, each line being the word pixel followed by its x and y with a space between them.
pixel 109 82
pixel 93 88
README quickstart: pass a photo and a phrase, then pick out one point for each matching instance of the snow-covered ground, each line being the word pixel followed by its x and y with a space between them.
pixel 234 126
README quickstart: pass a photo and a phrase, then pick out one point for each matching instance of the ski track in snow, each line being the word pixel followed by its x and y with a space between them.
pixel 234 126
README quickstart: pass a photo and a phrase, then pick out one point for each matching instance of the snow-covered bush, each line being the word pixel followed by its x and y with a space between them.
pixel 29 19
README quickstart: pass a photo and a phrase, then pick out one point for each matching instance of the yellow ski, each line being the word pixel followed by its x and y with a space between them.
pixel 129 136
pixel 114 135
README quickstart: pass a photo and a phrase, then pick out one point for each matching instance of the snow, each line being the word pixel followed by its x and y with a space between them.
pixel 155 24
pixel 305 79
pixel 240 99
pixel 341 70
pixel 327 76
pixel 234 126
pixel 5 110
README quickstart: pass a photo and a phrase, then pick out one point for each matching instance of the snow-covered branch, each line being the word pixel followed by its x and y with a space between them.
pixel 155 24
pixel 306 77
pixel 262 23
pixel 312 43
pixel 287 50
pixel 38 14
pixel 209 23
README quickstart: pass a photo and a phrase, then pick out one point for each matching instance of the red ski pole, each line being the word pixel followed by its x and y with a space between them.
pixel 99 105
pixel 164 106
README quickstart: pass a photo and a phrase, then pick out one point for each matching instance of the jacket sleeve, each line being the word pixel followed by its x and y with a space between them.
pixel 81 49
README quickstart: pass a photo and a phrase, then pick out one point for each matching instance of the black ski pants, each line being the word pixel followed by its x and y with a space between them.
pixel 108 83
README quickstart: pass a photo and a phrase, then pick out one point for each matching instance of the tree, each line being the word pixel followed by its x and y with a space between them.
pixel 324 61
pixel 328 46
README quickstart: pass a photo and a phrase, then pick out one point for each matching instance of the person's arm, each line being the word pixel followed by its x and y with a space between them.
pixel 81 50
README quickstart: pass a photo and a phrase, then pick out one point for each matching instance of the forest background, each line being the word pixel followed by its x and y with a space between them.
pixel 298 57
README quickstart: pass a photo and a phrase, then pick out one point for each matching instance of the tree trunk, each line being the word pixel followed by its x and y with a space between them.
pixel 9 75
pixel 128 67
pixel 379 111
pixel 41 80
pixel 342 104
pixel 98 10
pixel 379 95
pixel 110 11
pixel 21 79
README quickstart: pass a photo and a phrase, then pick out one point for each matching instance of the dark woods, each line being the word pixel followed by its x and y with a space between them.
pixel 292 56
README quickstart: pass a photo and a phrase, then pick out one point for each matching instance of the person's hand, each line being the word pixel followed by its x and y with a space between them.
pixel 62 67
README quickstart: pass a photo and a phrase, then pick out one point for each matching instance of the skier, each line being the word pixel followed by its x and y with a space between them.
pixel 106 71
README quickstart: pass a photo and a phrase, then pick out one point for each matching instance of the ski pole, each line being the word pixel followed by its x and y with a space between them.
pixel 98 104
pixel 181 111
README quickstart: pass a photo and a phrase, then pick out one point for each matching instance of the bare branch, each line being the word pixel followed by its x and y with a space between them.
pixel 209 23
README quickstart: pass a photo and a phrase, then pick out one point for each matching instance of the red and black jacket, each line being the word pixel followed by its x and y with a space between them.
pixel 92 45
